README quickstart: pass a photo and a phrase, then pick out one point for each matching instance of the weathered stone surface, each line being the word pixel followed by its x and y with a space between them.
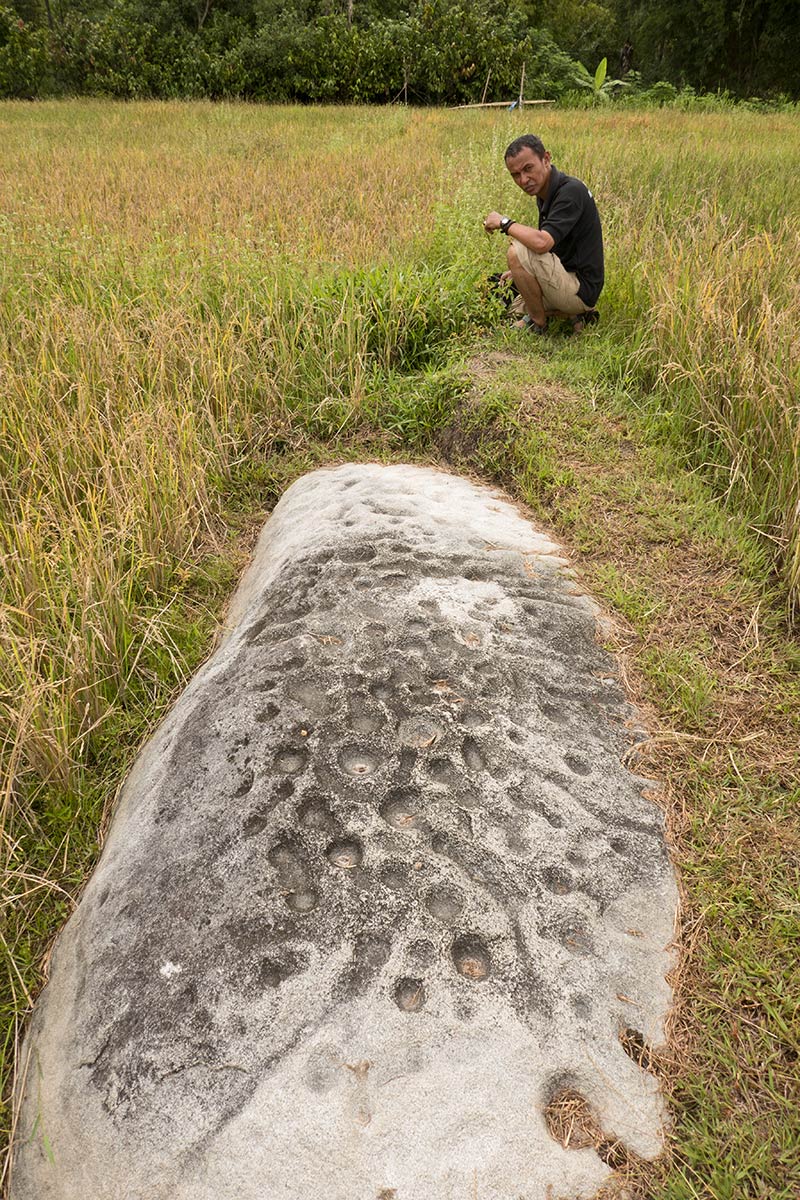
pixel 378 888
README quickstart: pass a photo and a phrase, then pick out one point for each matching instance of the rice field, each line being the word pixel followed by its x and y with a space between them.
pixel 198 300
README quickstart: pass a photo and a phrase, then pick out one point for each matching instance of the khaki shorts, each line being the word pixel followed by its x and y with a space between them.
pixel 559 287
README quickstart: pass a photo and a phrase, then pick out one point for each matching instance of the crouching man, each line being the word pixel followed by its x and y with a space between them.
pixel 557 268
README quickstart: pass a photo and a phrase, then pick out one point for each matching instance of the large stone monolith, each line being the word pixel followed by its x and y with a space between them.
pixel 379 895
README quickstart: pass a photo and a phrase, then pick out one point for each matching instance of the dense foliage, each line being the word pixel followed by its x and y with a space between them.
pixel 423 51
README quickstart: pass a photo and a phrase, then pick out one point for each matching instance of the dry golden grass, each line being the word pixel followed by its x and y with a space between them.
pixel 192 294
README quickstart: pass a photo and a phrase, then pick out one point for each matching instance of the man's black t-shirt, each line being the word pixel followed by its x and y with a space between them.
pixel 569 214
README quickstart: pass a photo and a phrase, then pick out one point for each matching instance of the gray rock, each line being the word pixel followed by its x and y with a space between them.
pixel 377 890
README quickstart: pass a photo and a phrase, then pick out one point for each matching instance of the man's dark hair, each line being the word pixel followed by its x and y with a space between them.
pixel 528 141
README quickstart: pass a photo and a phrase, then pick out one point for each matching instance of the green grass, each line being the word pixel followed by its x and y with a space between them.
pixel 198 303
pixel 707 654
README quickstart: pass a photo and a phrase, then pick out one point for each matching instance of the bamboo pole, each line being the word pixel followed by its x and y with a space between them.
pixel 502 103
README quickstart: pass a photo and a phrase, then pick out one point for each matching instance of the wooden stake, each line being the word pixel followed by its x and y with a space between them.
pixel 486 85
pixel 522 86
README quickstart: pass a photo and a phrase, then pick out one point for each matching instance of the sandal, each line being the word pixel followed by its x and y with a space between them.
pixel 527 324
pixel 581 320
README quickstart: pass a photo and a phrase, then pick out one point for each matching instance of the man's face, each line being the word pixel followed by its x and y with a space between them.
pixel 530 172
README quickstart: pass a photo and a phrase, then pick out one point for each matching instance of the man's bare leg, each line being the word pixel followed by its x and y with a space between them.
pixel 528 288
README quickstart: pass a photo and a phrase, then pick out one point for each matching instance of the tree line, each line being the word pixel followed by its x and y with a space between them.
pixel 377 51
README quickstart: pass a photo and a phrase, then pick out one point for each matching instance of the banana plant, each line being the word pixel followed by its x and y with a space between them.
pixel 602 89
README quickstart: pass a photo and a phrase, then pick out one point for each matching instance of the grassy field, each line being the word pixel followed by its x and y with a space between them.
pixel 199 302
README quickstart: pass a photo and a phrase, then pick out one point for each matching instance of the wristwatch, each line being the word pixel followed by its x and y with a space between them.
pixel 505 224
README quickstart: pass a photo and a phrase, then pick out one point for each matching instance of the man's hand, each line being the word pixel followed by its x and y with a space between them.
pixel 491 222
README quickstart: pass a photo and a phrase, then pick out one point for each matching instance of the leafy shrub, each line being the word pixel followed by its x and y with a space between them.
pixel 660 93
pixel 23 57
pixel 122 55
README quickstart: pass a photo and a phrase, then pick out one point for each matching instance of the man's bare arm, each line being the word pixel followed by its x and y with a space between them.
pixel 537 240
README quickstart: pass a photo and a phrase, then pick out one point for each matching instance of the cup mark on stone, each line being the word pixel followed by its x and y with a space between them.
pixel 365 724
pixel 256 629
pixel 381 691
pixel 358 554
pixel 572 1122
pixel 468 800
pixel 557 715
pixel 267 713
pixel 442 845
pixel 308 695
pixel 375 631
pixel 409 994
pixel 635 1046
pixel 358 762
pixel 302 902
pixel 581 1006
pixel 394 876
pixel 284 789
pixel 272 973
pixel 255 823
pixel 569 1118
pixel 347 853
pixel 401 811
pixel 290 871
pixel 478 573
pixel 471 958
pixel 553 819
pixel 420 732
pixel 557 881
pixel 290 761
pixel 283 857
pixel 464 820
pixel 578 766
pixel 266 685
pixel 292 663
pixel 445 905
pixel 473 759
pixel 246 783
pixel 441 770
pixel 314 813
pixel 416 628
pixel 414 646
pixel 576 939
pixel 444 641
pixel 517 844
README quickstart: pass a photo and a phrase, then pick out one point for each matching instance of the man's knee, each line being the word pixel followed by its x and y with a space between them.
pixel 512 258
